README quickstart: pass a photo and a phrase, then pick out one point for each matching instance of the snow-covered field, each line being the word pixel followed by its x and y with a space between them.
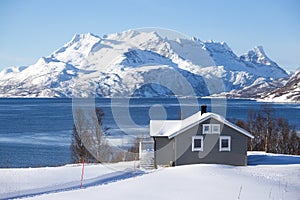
pixel 268 177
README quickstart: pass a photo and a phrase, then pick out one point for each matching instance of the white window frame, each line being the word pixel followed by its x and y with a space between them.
pixel 229 143
pixel 197 137
pixel 218 127
pixel 209 128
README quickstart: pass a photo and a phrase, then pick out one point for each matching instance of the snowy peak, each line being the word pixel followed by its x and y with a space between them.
pixel 257 59
pixel 217 46
pixel 80 42
pixel 125 35
pixel 77 49
pixel 257 55
pixel 77 38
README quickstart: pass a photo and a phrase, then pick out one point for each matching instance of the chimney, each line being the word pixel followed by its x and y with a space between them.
pixel 203 109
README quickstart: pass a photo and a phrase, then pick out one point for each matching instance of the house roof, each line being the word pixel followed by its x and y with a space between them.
pixel 172 128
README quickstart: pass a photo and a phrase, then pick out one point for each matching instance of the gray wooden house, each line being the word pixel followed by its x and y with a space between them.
pixel 200 138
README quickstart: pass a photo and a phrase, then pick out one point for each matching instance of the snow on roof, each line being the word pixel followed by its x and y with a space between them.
pixel 164 127
pixel 171 128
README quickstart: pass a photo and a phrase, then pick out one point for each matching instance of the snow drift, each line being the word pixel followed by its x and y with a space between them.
pixel 270 177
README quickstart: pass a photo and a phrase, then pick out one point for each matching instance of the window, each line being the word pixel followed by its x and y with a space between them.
pixel 216 128
pixel 225 143
pixel 206 128
pixel 197 143
pixel 211 129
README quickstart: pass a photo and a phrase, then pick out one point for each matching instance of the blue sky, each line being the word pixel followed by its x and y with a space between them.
pixel 34 28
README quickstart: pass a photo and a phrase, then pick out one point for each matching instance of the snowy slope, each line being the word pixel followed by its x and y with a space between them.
pixel 270 176
pixel 135 63
pixel 257 89
pixel 25 182
pixel 290 91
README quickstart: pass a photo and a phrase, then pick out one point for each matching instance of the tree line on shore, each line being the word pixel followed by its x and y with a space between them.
pixel 271 134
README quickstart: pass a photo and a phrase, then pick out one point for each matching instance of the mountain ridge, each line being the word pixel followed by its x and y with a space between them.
pixel 121 64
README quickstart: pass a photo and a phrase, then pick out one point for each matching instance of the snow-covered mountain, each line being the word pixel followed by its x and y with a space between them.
pixel 255 91
pixel 135 63
pixel 290 91
pixel 280 90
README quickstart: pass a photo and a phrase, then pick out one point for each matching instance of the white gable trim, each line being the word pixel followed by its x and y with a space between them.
pixel 180 126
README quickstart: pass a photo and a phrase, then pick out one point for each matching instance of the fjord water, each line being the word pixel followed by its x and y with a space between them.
pixel 37 132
